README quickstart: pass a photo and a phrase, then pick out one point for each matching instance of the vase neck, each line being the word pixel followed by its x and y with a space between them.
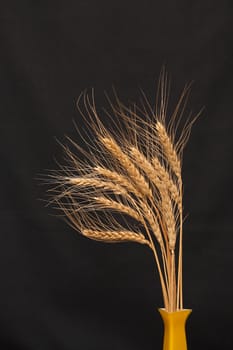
pixel 179 316
pixel 174 329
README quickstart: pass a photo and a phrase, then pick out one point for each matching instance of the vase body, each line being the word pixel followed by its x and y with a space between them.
pixel 174 329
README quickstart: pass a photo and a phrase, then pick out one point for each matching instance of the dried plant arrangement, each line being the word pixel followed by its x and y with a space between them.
pixel 127 186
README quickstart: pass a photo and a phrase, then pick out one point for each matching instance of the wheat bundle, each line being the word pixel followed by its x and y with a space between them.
pixel 133 171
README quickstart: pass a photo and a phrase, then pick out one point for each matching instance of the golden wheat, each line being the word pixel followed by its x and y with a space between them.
pixel 96 183
pixel 169 219
pixel 130 168
pixel 157 174
pixel 165 178
pixel 162 186
pixel 152 221
pixel 169 150
pixel 145 165
pixel 107 203
pixel 133 172
pixel 119 179
pixel 115 236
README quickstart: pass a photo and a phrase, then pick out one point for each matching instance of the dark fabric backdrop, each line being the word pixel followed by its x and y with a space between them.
pixel 59 290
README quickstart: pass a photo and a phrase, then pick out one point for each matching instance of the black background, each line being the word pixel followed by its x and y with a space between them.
pixel 59 290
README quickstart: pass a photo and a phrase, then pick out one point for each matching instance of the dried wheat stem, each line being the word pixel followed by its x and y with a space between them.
pixel 164 289
pixel 180 267
pixel 165 266
pixel 169 219
pixel 163 285
pixel 153 222
pixel 148 217
pixel 175 295
pixel 172 289
pixel 156 230
pixel 174 162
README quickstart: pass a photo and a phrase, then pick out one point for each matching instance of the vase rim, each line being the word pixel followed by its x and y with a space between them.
pixel 170 312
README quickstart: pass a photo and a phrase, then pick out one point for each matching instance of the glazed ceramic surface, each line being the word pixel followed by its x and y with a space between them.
pixel 174 329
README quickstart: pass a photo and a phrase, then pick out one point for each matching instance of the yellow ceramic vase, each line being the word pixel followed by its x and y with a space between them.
pixel 174 329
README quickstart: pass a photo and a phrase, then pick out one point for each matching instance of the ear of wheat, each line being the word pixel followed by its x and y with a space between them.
pixel 131 177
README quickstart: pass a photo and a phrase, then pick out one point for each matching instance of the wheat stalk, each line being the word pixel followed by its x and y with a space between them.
pixel 174 162
pixel 132 171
